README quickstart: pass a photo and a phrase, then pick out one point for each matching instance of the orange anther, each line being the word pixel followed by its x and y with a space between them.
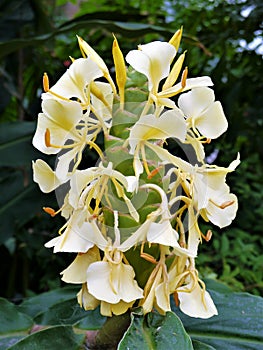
pixel 208 236
pixel 49 211
pixel 45 82
pixel 184 76
pixel 47 138
pixel 154 172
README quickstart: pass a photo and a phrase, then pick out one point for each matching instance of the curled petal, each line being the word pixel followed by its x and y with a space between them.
pixel 196 302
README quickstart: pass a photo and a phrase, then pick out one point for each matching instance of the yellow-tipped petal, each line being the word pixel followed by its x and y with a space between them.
pixel 120 68
pixel 87 50
pixel 176 38
pixel 173 76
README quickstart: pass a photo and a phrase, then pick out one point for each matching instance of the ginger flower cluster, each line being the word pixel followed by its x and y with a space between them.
pixel 132 216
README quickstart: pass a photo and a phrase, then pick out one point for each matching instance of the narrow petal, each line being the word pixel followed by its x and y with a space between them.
pixel 190 84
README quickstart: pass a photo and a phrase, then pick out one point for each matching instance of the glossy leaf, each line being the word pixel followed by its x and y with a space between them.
pixel 156 332
pixel 16 144
pixel 41 303
pixel 11 320
pixel 53 338
pixel 238 326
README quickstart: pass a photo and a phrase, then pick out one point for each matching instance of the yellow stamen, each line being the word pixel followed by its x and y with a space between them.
pixel 45 82
pixel 223 205
pixel 184 77
pixel 146 256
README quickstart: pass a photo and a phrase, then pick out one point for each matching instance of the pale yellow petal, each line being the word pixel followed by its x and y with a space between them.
pixel 44 176
pixel 76 272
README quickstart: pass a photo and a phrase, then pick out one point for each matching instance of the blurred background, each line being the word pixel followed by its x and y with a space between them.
pixel 223 39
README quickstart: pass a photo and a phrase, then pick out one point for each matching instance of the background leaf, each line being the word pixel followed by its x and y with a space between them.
pixel 238 325
pixel 53 338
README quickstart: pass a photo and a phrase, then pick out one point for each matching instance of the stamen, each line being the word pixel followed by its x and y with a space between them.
pixel 50 211
pixel 146 256
pixel 176 299
pixel 45 82
pixel 144 161
pixel 184 76
pixel 154 172
pixel 46 88
pixel 47 138
pixel 208 235
pixel 49 144
pixel 223 205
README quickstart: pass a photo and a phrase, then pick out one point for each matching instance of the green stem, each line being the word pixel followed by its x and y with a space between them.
pixel 111 332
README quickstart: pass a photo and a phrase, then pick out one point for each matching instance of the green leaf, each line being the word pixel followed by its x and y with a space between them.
pixel 238 325
pixel 16 144
pixel 11 320
pixel 156 332
pixel 65 312
pixel 127 29
pixel 201 346
pixel 53 338
pixel 41 303
pixel 6 342
pixel 92 321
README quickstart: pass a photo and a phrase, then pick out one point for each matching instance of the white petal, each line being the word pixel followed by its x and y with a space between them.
pixel 222 217
pixel 72 240
pixel 76 272
pixel 74 81
pixel 212 123
pixel 60 118
pixel 44 176
pixel 112 286
pixel 162 297
pixel 192 304
pixel 194 102
pixel 148 127
pixel 152 60
pixel 190 84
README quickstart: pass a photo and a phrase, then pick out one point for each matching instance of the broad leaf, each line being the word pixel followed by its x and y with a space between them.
pixel 156 332
pixel 11 320
pixel 238 326
pixel 53 338
pixel 41 303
